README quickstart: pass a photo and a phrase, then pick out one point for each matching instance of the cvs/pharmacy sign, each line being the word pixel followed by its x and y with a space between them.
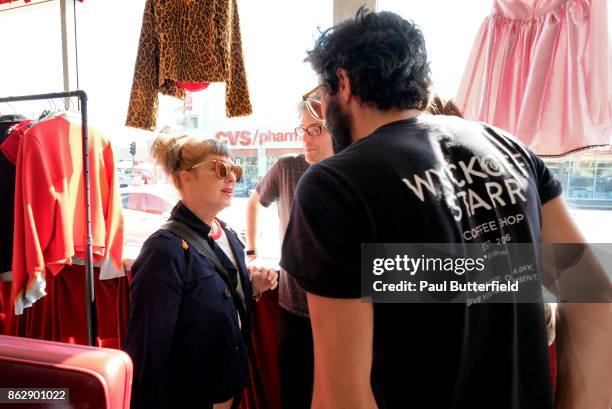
pixel 256 137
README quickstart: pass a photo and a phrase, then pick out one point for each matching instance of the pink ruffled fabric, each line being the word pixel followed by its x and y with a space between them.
pixel 542 70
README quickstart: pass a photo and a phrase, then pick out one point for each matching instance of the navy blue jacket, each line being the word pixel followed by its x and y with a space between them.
pixel 183 335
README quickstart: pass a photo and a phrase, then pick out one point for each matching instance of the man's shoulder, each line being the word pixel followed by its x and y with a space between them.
pixel 282 176
pixel 292 160
pixel 325 177
pixel 453 124
pixel 291 163
pixel 457 125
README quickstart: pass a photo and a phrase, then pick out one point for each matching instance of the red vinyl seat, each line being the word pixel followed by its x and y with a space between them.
pixel 97 378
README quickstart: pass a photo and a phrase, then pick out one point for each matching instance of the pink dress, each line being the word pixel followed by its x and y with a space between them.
pixel 542 70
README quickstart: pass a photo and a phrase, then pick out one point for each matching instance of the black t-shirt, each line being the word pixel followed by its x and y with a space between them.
pixel 430 179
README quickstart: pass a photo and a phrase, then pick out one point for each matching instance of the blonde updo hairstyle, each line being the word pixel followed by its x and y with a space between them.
pixel 177 153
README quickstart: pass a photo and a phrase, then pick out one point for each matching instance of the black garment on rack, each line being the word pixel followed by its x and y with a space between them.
pixel 12 119
pixel 5 129
pixel 7 200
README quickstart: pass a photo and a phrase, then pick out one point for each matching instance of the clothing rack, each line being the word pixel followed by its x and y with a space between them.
pixel 89 278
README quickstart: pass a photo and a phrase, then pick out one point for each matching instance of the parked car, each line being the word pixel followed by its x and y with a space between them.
pixel 146 208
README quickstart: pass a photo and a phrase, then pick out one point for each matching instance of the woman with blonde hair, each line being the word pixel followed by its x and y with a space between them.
pixel 192 295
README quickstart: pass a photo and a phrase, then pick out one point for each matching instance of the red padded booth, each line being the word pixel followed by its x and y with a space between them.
pixel 97 378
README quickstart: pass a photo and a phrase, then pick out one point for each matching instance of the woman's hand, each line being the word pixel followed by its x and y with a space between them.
pixel 262 279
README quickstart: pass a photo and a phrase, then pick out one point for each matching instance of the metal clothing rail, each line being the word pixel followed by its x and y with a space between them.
pixel 89 278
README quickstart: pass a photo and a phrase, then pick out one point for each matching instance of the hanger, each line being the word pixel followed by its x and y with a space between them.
pixel 44 114
pixel 64 109
pixel 73 107
pixel 10 118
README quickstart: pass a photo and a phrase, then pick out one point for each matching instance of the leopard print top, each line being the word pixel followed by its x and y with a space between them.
pixel 187 41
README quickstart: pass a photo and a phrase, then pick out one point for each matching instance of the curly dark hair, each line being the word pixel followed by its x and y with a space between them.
pixel 384 56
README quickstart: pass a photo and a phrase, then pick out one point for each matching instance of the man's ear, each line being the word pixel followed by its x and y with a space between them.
pixel 344 85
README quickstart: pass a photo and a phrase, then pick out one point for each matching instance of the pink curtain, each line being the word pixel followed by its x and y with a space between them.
pixel 542 70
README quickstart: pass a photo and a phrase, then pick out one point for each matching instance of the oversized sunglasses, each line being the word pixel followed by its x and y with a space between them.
pixel 223 169
pixel 312 100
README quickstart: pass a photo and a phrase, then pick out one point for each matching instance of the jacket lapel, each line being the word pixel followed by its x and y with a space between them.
pixel 238 251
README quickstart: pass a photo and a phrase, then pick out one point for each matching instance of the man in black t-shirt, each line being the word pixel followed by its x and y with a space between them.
pixel 402 176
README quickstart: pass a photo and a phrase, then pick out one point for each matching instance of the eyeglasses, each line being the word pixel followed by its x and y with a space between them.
pixel 223 169
pixel 312 100
pixel 312 130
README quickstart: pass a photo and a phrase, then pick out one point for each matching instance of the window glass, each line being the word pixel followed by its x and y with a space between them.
pixel 124 200
pixel 31 61
pixel 134 201
pixel 449 35
pixel 603 181
pixel 586 179
pixel 155 204
pixel 274 46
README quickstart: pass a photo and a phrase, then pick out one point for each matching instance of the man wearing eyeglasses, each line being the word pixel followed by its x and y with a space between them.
pixel 295 349
pixel 399 175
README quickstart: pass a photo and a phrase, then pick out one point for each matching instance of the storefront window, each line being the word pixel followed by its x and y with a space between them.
pixel 31 59
pixel 603 181
pixel 560 169
pixel 581 179
pixel 277 78
pixel 586 180
pixel 250 175
pixel 449 35
pixel 274 46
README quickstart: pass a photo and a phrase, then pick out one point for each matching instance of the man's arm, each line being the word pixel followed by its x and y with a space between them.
pixel 558 225
pixel 343 336
pixel 584 331
pixel 251 223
